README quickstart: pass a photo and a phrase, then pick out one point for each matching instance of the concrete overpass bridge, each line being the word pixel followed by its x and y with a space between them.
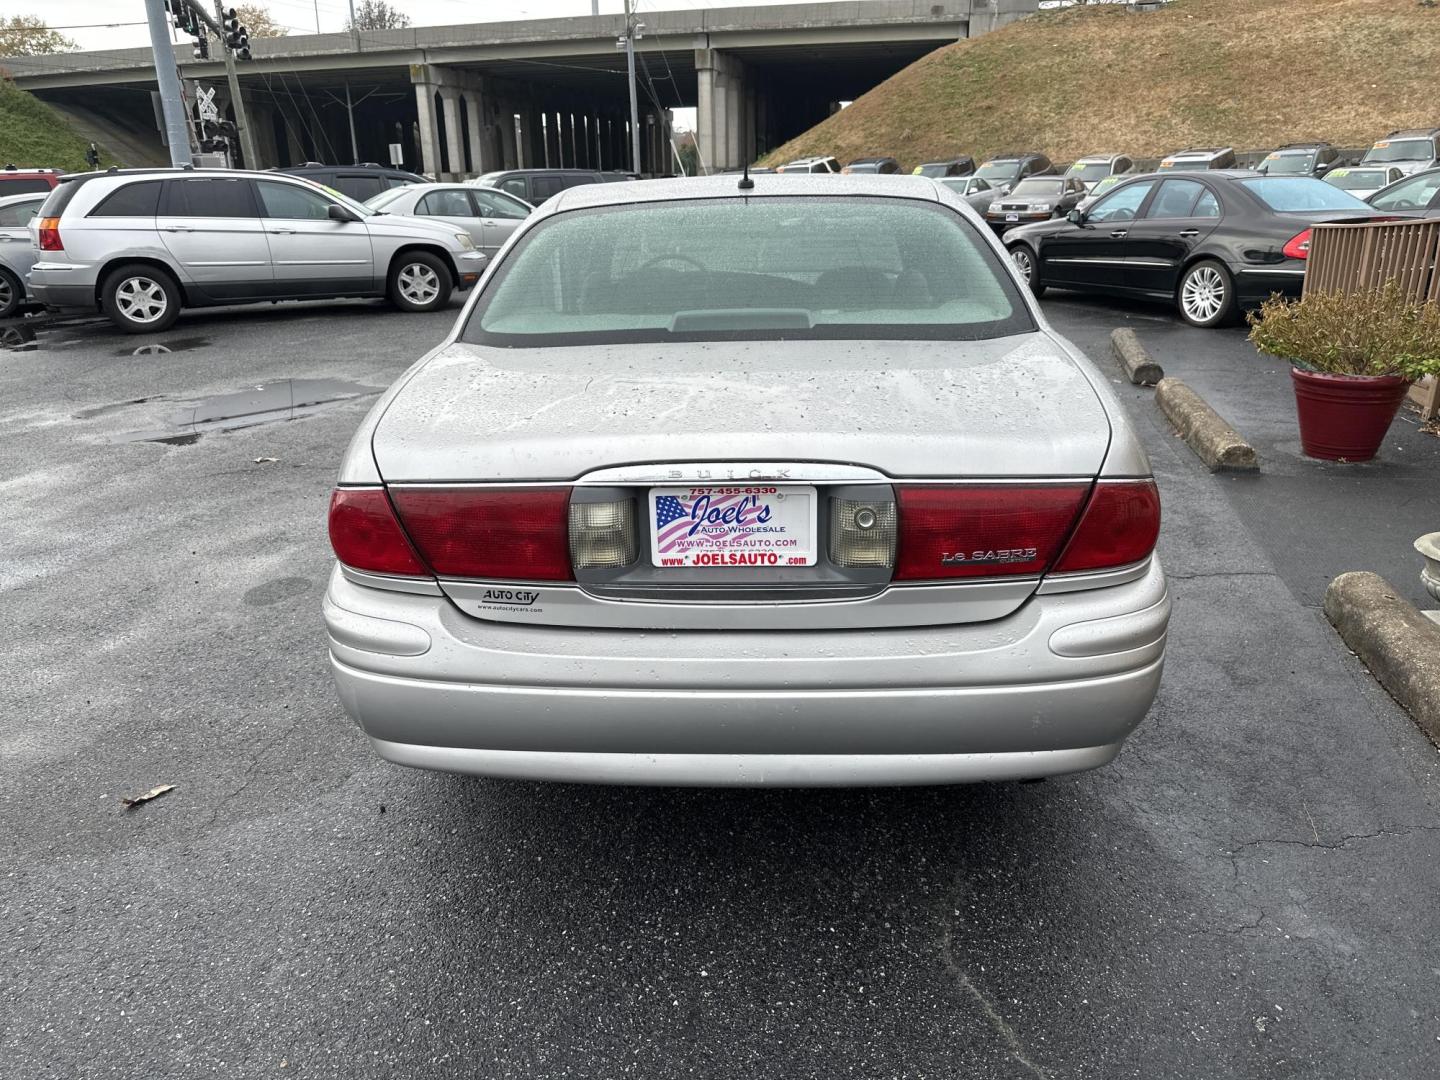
pixel 466 99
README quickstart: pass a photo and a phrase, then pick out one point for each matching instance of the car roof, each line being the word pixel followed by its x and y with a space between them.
pixel 1098 157
pixel 1208 151
pixel 1415 133
pixel 1318 144
pixel 867 160
pixel 7 200
pixel 727 185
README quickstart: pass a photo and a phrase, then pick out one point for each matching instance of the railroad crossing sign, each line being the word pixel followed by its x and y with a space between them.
pixel 205 100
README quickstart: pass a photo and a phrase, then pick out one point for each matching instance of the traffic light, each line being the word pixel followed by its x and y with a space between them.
pixel 237 37
pixel 202 48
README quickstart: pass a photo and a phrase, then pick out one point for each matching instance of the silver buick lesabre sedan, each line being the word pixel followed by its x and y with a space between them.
pixel 742 481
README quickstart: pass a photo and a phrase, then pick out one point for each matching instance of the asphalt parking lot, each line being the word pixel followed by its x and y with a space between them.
pixel 1248 892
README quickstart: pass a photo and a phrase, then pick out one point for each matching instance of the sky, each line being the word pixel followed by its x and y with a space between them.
pixel 92 24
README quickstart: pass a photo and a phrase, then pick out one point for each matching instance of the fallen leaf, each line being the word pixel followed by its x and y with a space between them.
pixel 263 460
pixel 153 793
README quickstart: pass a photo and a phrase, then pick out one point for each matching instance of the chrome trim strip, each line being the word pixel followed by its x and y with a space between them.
pixel 1164 263
pixel 565 604
pixel 1273 270
pixel 1097 579
pixel 418 586
pixel 1091 260
pixel 869 477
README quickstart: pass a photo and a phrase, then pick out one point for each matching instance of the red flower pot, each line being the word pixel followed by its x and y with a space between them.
pixel 1345 417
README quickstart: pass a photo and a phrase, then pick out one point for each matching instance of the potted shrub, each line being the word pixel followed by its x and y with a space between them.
pixel 1352 357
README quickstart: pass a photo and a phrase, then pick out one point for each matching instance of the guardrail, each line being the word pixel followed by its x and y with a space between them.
pixel 1358 258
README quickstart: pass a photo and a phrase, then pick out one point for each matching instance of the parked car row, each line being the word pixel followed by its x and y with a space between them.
pixel 1212 242
pixel 140 244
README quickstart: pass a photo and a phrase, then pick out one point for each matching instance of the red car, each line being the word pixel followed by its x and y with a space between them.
pixel 18 181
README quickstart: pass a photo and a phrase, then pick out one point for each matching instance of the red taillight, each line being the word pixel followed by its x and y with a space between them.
pixel 513 534
pixel 1120 526
pixel 366 536
pixel 1299 246
pixel 50 234
pixel 954 531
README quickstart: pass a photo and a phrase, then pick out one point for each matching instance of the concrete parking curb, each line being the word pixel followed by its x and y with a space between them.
pixel 1396 642
pixel 1214 441
pixel 1133 359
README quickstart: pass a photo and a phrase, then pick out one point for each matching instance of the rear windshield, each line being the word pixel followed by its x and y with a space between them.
pixel 60 197
pixel 1288 164
pixel 1401 150
pixel 1089 171
pixel 23 186
pixel 1299 194
pixel 791 268
pixel 998 169
pixel 385 198
pixel 1038 189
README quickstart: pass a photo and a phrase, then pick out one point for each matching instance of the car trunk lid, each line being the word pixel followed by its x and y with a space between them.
pixel 1008 407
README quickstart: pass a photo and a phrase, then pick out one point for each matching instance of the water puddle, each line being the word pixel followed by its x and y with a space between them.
pixel 173 345
pixel 267 403
pixel 18 339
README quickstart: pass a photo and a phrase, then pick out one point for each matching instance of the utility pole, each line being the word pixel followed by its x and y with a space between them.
pixel 177 131
pixel 242 123
pixel 632 31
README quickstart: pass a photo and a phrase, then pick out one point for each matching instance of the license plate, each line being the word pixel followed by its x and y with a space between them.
pixel 745 525
pixel 1012 217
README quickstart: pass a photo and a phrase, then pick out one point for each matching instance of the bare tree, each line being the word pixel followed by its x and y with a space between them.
pixel 26 35
pixel 258 21
pixel 377 15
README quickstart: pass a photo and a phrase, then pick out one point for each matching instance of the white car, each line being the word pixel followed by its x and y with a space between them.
pixel 1362 181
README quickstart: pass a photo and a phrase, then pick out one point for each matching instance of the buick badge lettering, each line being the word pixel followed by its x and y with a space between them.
pixel 998 555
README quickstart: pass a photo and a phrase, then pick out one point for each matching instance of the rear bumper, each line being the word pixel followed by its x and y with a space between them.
pixel 748 770
pixel 1055 687
pixel 59 285
pixel 1256 284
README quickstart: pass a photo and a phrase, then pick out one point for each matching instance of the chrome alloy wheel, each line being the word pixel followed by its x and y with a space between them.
pixel 1203 295
pixel 141 299
pixel 418 283
pixel 7 293
pixel 1026 265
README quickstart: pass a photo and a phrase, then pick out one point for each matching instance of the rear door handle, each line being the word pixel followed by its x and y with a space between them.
pixel 1189 234
pixel 287 232
pixel 178 228
pixel 1120 234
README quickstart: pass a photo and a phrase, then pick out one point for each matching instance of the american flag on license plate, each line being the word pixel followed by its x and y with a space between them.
pixel 673 521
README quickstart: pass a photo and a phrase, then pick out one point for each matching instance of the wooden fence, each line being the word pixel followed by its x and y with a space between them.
pixel 1357 258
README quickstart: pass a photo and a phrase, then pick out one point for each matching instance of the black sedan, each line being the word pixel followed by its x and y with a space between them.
pixel 1213 243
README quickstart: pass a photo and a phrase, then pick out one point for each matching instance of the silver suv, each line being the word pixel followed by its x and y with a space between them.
pixel 141 244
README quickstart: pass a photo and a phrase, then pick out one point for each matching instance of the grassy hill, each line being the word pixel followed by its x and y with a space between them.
pixel 31 134
pixel 1245 73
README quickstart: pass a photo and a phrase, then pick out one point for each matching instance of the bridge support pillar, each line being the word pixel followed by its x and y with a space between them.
pixel 506 121
pixel 454 136
pixel 720 112
pixel 734 118
pixel 262 134
pixel 480 152
pixel 429 123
